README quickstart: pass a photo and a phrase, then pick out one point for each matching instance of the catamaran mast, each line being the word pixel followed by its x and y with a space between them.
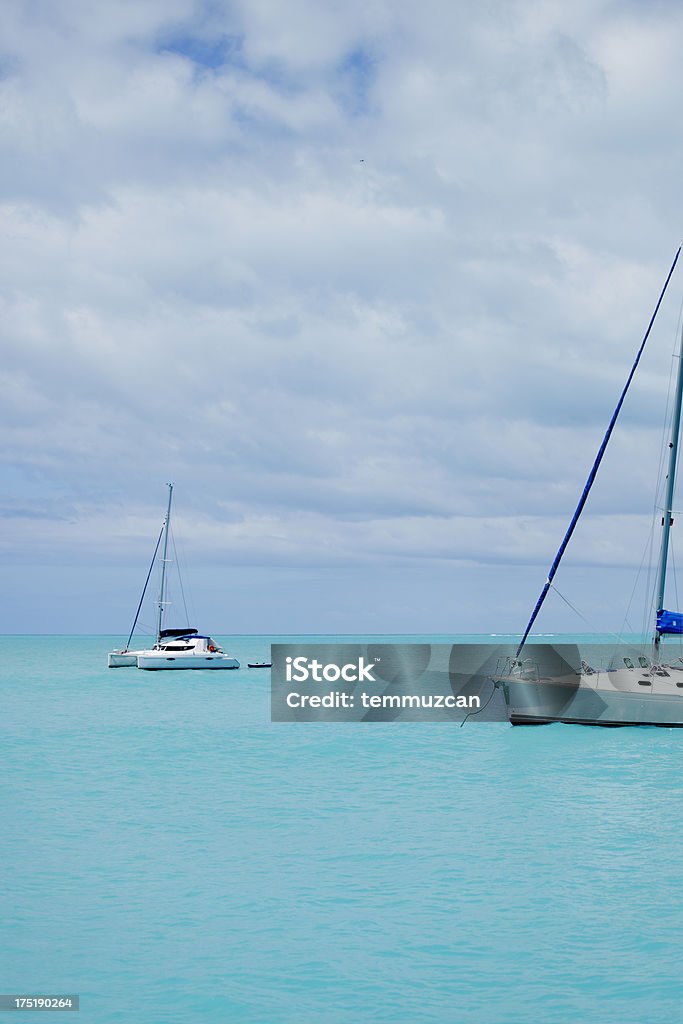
pixel 667 521
pixel 162 588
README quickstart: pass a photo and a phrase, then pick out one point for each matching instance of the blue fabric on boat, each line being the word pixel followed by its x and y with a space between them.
pixel 669 622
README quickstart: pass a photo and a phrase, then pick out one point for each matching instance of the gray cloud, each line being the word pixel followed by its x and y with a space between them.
pixel 365 282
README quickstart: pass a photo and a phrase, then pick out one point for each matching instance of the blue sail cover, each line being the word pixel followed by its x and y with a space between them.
pixel 669 622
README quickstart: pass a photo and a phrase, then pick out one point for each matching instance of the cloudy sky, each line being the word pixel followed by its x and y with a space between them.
pixel 363 279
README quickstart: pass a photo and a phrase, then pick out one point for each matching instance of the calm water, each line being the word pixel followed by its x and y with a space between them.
pixel 170 855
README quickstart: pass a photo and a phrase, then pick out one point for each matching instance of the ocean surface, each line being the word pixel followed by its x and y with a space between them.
pixel 171 856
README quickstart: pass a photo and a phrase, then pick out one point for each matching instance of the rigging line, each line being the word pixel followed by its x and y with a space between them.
pixel 650 611
pixel 609 632
pixel 180 578
pixel 626 622
pixel 649 582
pixel 190 602
pixel 663 471
pixel 667 425
pixel 470 714
pixel 678 453
pixel 596 465
pixel 144 589
pixel 672 462
pixel 673 567
pixel 645 555
pixel 668 407
pixel 573 608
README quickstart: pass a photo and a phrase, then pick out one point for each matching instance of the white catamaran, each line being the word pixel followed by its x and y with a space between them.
pixel 634 686
pixel 182 648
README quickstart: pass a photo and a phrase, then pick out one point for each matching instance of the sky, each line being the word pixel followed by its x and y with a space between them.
pixel 363 279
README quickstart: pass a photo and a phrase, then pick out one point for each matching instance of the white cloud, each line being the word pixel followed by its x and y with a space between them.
pixel 364 279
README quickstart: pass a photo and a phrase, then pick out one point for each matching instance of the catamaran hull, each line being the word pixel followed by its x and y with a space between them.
pixel 158 662
pixel 540 703
pixel 121 659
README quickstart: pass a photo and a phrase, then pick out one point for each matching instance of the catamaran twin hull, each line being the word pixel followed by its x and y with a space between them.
pixel 600 685
pixel 157 660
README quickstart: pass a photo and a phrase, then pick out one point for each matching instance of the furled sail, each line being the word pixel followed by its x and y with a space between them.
pixel 669 622
pixel 596 466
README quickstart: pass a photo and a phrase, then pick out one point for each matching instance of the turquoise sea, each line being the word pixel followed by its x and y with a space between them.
pixel 171 856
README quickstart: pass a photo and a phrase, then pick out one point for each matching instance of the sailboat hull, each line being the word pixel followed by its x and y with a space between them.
pixel 542 702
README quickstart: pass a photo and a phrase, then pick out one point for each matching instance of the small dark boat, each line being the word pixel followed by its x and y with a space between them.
pixel 259 664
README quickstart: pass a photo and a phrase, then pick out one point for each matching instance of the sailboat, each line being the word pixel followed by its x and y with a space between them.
pixel 174 648
pixel 628 685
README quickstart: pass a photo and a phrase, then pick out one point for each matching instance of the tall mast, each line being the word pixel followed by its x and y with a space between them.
pixel 670 482
pixel 162 589
pixel 596 465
